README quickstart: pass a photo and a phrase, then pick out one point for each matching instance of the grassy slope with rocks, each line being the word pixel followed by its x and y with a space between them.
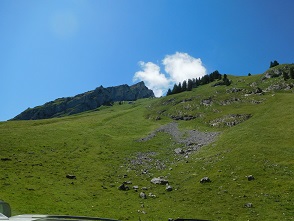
pixel 101 149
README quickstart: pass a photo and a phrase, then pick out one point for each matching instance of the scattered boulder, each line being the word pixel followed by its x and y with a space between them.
pixel 179 151
pixel 229 101
pixel 152 195
pixel 258 90
pixel 248 205
pixel 234 90
pixel 250 178
pixel 183 117
pixel 5 159
pixel 206 102
pixel 205 180
pixel 230 120
pixel 143 195
pixel 168 188
pixel 159 180
pixel 127 182
pixel 123 187
pixel 70 176
pixel 135 188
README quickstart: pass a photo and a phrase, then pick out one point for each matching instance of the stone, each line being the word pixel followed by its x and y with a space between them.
pixel 123 187
pixel 168 188
pixel 179 151
pixel 205 180
pixel 70 176
pixel 5 159
pixel 248 205
pixel 152 195
pixel 250 178
pixel 258 90
pixel 127 182
pixel 207 102
pixel 159 180
pixel 143 195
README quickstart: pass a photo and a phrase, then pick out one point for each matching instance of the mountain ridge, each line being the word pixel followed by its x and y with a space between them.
pixel 86 101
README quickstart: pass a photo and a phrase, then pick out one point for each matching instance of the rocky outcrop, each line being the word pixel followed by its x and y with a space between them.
pixel 86 101
pixel 278 71
pixel 230 120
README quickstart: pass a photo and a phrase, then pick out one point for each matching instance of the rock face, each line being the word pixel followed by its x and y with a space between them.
pixel 86 101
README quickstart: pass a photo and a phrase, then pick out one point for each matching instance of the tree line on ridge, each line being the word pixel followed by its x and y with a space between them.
pixel 195 82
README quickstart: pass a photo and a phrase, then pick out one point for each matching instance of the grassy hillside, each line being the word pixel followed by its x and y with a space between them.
pixel 102 149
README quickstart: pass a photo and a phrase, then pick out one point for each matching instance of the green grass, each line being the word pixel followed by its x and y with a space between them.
pixel 97 147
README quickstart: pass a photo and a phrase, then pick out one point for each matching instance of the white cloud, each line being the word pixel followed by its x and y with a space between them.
pixel 152 77
pixel 181 66
pixel 178 67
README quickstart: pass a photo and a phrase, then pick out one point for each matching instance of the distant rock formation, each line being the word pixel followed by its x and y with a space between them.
pixel 87 101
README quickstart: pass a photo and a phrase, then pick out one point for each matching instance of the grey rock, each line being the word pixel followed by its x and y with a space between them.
pixel 250 178
pixel 179 151
pixel 123 187
pixel 159 180
pixel 86 101
pixel 183 117
pixel 168 188
pixel 127 182
pixel 248 205
pixel 5 159
pixel 70 176
pixel 207 102
pixel 143 195
pixel 152 195
pixel 205 180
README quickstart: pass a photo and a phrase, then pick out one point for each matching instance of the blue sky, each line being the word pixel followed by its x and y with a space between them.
pixel 56 48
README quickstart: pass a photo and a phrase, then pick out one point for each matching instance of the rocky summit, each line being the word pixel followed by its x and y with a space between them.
pixel 86 101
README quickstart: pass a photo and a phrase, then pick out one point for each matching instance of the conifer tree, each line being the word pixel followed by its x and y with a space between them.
pixel 175 89
pixel 190 85
pixel 179 88
pixel 273 64
pixel 291 73
pixel 184 86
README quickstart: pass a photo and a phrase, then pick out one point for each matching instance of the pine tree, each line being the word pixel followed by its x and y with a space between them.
pixel 273 64
pixel 205 79
pixel 179 89
pixel 291 73
pixel 175 89
pixel 184 86
pixel 226 80
pixel 190 85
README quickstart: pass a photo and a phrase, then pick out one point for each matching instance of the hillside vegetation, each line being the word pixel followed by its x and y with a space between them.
pixel 253 119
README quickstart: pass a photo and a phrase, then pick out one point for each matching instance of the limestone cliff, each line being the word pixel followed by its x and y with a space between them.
pixel 86 101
